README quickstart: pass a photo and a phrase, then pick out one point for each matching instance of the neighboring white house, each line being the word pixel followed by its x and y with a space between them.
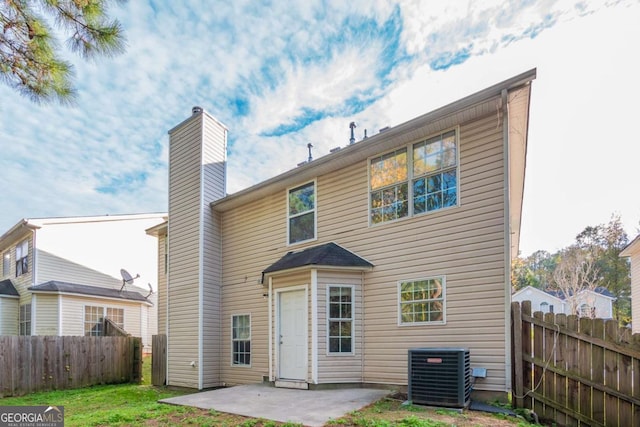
pixel 540 300
pixel 633 252
pixel 589 303
pixel 61 276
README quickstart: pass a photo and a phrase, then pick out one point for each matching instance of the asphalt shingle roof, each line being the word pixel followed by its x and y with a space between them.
pixel 55 286
pixel 7 288
pixel 327 255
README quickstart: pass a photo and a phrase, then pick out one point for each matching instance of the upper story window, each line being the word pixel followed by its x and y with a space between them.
pixel 301 213
pixel 435 183
pixel 422 301
pixel 6 263
pixel 389 186
pixel 22 258
pixel 432 170
pixel 166 254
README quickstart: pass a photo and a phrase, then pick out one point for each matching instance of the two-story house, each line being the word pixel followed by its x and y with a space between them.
pixel 61 276
pixel 330 272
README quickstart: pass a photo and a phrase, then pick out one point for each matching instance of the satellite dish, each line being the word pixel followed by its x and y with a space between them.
pixel 126 278
pixel 150 290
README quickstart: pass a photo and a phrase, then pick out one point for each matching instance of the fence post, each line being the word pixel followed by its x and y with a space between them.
pixel 136 354
pixel 159 360
pixel 516 354
pixel 527 383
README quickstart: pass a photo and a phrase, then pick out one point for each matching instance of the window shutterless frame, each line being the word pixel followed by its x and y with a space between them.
pixel 302 208
pixel 340 320
pixel 422 302
pixel 416 179
pixel 241 340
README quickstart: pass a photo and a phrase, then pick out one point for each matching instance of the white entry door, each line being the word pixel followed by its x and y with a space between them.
pixel 292 335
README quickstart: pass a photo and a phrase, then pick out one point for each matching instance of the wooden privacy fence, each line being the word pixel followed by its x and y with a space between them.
pixel 159 359
pixel 575 371
pixel 41 363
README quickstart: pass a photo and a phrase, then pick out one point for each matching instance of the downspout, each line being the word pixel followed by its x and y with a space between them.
pixel 507 240
pixel 362 323
pixel 34 275
pixel 271 355
pixel 34 280
pixel 166 285
pixel 60 333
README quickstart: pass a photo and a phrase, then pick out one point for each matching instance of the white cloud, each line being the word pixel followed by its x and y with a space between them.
pixel 279 59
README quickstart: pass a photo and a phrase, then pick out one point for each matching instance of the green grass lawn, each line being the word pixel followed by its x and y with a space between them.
pixel 137 405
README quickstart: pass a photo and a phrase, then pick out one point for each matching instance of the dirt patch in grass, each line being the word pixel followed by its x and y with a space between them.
pixel 390 412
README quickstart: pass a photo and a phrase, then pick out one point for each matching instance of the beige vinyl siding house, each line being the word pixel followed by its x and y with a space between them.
pixel 73 262
pixel 632 251
pixel 329 273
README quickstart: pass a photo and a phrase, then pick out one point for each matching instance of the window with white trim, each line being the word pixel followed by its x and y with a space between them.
pixel 301 213
pixel 403 185
pixel 422 301
pixel 22 258
pixel 94 319
pixel 6 264
pixel 241 340
pixel 340 320
pixel 116 315
pixel 25 319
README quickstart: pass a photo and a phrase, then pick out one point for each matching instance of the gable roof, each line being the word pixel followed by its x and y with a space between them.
pixel 552 294
pixel 7 288
pixel 631 248
pixel 327 255
pixel 600 290
pixel 55 286
pixel 560 295
pixel 476 105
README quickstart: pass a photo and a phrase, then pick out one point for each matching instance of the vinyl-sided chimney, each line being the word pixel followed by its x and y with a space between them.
pixel 197 177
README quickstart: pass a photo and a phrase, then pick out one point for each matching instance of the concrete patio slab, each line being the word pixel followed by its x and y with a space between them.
pixel 308 407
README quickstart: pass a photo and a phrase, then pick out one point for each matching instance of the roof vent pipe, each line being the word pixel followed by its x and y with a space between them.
pixel 196 110
pixel 309 146
pixel 352 125
pixel 365 134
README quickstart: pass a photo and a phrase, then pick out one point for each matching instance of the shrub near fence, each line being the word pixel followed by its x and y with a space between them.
pixel 575 371
pixel 41 363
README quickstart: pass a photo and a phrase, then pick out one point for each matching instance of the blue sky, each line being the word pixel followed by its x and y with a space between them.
pixel 282 74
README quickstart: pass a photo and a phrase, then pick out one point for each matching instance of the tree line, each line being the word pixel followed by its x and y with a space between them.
pixel 592 261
